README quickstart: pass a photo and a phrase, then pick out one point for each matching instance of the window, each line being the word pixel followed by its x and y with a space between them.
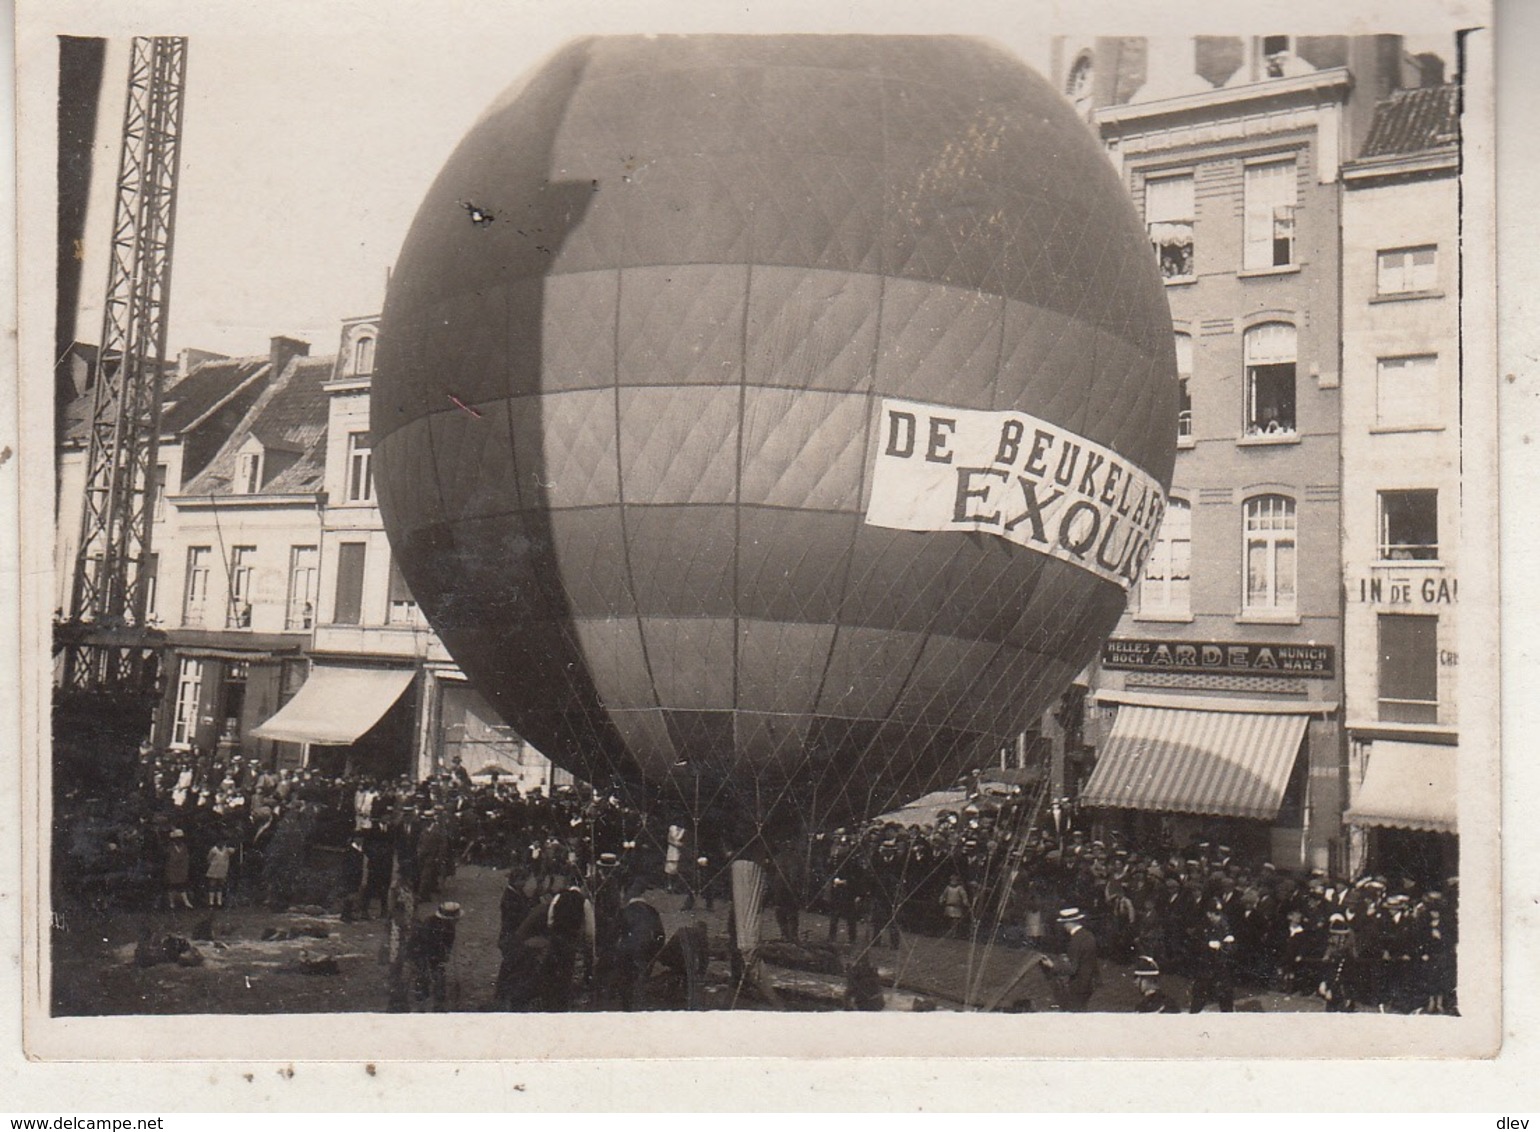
pixel 248 473
pixel 1276 52
pixel 403 606
pixel 1270 350
pixel 1409 525
pixel 243 573
pixel 1270 199
pixel 196 595
pixel 1169 211
pixel 360 468
pixel 304 569
pixel 363 355
pixel 291 678
pixel 1270 555
pixel 1079 81
pixel 151 586
pixel 1403 270
pixel 1184 377
pixel 1408 668
pixel 189 691
pixel 1166 587
pixel 158 490
pixel 1406 393
pixel 350 584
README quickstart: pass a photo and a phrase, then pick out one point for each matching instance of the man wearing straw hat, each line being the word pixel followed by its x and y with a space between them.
pixel 432 944
pixel 1152 1000
pixel 1076 974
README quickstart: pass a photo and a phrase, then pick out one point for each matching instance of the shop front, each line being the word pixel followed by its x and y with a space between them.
pixel 218 690
pixel 1175 771
pixel 352 719
pixel 1406 809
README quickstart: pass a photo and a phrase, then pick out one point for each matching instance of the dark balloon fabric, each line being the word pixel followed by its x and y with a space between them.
pixel 625 407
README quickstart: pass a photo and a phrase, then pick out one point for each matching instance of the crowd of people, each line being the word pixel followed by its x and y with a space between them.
pixel 202 831
pixel 205 832
pixel 1230 925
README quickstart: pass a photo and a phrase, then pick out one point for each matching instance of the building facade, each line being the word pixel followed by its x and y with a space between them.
pixel 290 637
pixel 1401 484
pixel 1216 711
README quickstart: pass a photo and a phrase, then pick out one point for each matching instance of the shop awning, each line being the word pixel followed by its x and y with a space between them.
pixel 1225 763
pixel 336 704
pixel 1408 786
pixel 925 811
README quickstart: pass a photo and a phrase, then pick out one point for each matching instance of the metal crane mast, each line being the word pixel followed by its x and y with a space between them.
pixel 112 565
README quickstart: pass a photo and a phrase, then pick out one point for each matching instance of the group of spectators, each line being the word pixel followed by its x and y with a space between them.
pixel 201 831
pixel 1229 924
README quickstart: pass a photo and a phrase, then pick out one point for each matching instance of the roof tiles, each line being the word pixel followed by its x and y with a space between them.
pixel 289 419
pixel 1414 121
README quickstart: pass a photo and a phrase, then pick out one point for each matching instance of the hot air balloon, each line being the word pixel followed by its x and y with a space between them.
pixel 776 424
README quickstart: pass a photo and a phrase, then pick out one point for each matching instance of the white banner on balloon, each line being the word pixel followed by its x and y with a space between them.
pixel 1011 474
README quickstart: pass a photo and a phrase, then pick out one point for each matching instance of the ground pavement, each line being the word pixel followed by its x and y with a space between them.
pixel 241 972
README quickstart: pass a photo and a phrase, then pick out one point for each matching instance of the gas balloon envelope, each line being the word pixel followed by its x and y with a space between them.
pixel 777 423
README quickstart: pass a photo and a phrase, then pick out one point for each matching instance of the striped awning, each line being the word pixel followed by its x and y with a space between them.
pixel 1408 786
pixel 1224 763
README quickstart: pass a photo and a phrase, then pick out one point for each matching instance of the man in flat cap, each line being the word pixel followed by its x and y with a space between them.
pixel 1076 974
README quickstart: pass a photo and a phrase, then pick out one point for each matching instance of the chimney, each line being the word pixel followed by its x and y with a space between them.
pixel 282 350
pixel 190 358
pixel 1431 68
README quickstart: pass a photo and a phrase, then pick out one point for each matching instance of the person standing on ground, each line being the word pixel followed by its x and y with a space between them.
pixel 885 896
pixel 1340 966
pixel 1077 973
pixel 178 871
pixel 218 872
pixel 637 944
pixel 786 890
pixel 1152 1000
pixel 518 899
pixel 351 879
pixel 671 858
pixel 570 929
pixel 957 906
pixel 379 864
pixel 432 944
pixel 1214 979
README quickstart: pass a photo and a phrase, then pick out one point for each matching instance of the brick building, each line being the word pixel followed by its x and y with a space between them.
pixel 1401 434
pixel 1216 711
pixel 289 635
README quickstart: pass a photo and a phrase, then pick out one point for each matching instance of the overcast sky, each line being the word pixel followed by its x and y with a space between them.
pixel 312 131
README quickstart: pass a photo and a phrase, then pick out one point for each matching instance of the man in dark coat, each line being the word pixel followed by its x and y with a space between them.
pixel 570 929
pixel 1152 1000
pixel 380 854
pixel 1077 973
pixel 519 898
pixel 639 940
pixel 350 880
pixel 1214 976
pixel 432 944
pixel 847 896
pixel 885 892
pixel 786 890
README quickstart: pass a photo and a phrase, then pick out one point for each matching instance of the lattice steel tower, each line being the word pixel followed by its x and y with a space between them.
pixel 111 569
